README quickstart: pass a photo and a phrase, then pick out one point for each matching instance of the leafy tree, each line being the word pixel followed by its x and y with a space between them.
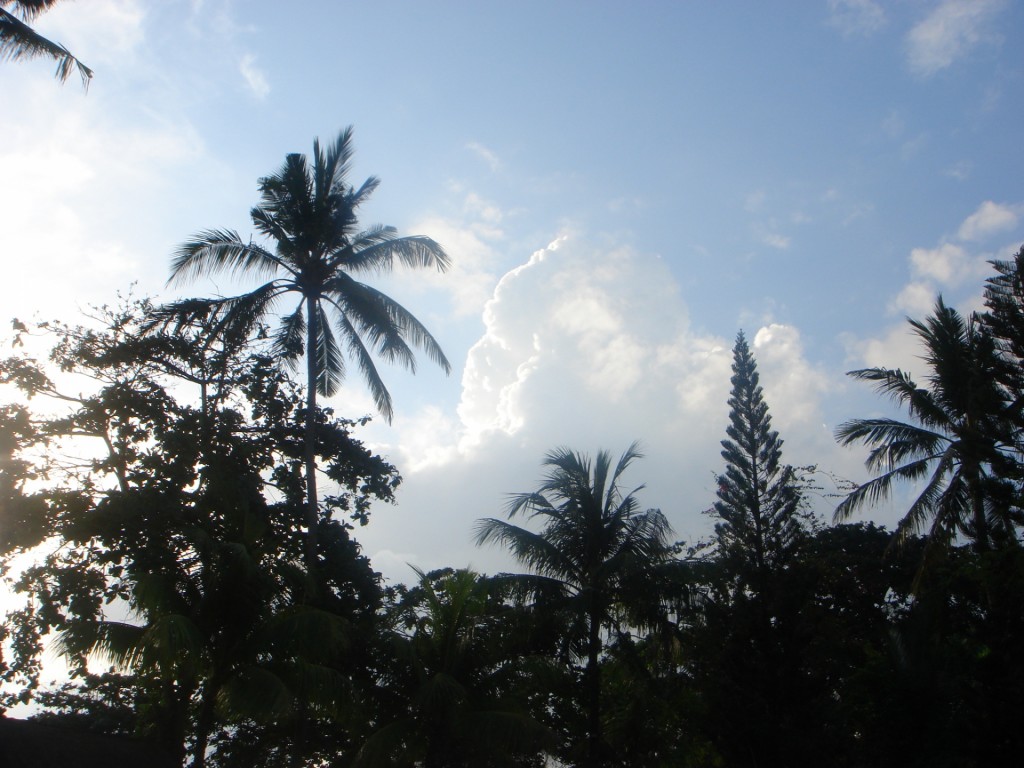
pixel 175 551
pixel 459 657
pixel 309 215
pixel 953 444
pixel 19 41
pixel 758 497
pixel 594 558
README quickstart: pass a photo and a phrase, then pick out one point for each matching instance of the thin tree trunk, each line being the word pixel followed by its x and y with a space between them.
pixel 204 724
pixel 593 693
pixel 312 509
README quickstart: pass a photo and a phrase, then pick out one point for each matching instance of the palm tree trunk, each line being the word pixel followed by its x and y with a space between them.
pixel 204 723
pixel 981 533
pixel 312 509
pixel 592 682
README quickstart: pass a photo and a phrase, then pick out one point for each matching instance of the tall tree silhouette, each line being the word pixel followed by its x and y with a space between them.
pixel 19 41
pixel 308 213
pixel 758 496
pixel 596 550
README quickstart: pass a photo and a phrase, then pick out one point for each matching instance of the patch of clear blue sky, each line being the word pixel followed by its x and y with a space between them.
pixel 696 131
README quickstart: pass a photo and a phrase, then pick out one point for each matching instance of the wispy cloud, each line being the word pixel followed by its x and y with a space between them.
pixel 856 17
pixel 775 240
pixel 487 155
pixel 961 171
pixel 254 77
pixel 990 218
pixel 949 33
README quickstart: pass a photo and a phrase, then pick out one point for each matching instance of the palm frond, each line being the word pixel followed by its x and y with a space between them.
pixel 287 195
pixel 222 250
pixel 368 311
pixel 173 638
pixel 377 249
pixel 239 317
pixel 530 503
pixel 257 693
pixel 893 441
pixel 267 224
pixel 290 339
pixel 19 41
pixel 879 488
pixel 380 394
pixel 332 167
pixel 533 550
pixel 330 364
pixel 111 642
pixel 389 326
pixel 898 386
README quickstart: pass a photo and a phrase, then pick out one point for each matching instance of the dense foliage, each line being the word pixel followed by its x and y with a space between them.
pixel 153 526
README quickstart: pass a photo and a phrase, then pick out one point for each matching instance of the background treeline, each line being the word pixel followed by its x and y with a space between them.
pixel 160 521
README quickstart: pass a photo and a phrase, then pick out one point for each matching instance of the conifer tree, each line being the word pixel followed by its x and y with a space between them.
pixel 758 496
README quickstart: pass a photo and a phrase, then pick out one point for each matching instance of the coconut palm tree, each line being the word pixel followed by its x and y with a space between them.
pixel 952 441
pixel 316 251
pixel 595 553
pixel 19 41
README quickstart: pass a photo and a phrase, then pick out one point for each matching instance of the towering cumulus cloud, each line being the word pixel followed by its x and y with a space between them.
pixel 586 346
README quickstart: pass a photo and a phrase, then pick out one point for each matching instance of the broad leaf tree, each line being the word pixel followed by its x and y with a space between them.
pixel 168 534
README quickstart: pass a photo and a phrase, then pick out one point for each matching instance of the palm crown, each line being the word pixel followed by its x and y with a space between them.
pixel 309 214
pixel 596 556
pixel 954 441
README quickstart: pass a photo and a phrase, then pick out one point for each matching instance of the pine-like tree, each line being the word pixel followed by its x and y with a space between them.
pixel 758 496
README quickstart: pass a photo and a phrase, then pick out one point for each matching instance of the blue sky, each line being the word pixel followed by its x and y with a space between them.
pixel 622 187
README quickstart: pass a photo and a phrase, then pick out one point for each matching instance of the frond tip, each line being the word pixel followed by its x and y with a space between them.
pixel 19 41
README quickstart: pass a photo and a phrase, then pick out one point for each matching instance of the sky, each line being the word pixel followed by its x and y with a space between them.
pixel 621 187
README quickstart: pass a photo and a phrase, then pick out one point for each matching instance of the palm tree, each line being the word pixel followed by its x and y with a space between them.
pixel 595 553
pixel 952 444
pixel 19 41
pixel 309 216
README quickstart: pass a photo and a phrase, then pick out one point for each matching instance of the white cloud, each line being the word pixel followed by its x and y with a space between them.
pixel 254 77
pixel 98 32
pixel 989 219
pixel 945 264
pixel 951 269
pixel 775 240
pixel 589 347
pixel 793 387
pixel 949 33
pixel 856 17
pixel 915 300
pixel 470 240
pixel 895 347
pixel 485 154
pixel 68 183
pixel 961 171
